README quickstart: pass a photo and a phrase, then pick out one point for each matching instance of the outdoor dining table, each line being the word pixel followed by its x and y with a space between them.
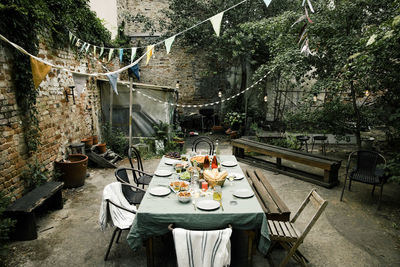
pixel 155 213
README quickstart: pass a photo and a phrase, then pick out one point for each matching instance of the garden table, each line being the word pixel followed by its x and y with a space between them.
pixel 156 213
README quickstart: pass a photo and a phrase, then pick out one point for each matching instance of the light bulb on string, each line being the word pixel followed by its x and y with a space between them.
pixel 177 85
pixel 315 98
pixel 367 92
pixel 266 98
pixel 220 94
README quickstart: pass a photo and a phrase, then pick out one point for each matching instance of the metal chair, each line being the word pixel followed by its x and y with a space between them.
pixel 366 171
pixel 133 194
pixel 286 234
pixel 206 140
pixel 321 139
pixel 140 176
pixel 303 141
pixel 124 220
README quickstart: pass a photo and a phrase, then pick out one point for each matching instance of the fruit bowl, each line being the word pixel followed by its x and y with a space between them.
pixel 184 196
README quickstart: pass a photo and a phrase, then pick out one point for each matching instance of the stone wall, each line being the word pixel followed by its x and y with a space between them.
pixel 61 122
pixel 163 69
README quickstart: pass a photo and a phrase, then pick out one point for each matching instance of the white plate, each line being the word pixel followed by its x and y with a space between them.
pixel 162 173
pixel 171 161
pixel 208 204
pixel 243 193
pixel 238 176
pixel 229 163
pixel 160 191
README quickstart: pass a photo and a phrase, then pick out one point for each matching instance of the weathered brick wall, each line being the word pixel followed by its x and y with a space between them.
pixel 61 122
pixel 165 69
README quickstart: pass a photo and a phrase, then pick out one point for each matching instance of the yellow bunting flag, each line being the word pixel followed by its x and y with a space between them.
pixel 39 71
pixel 150 49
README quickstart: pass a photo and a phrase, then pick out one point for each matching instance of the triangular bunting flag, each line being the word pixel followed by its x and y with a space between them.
pixel 73 39
pixel 87 48
pixel 80 83
pixel 113 78
pixel 135 70
pixel 110 53
pixel 267 2
pixel 133 53
pixel 150 49
pixel 78 42
pixel 121 53
pixel 101 51
pixel 94 50
pixel 39 71
pixel 168 43
pixel 83 47
pixel 216 22
pixel 70 36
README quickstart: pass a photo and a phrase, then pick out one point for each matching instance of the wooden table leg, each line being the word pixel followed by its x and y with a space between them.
pixel 251 235
pixel 149 252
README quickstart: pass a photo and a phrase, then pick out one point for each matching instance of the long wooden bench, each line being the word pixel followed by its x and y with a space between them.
pixel 330 166
pixel 23 209
pixel 273 206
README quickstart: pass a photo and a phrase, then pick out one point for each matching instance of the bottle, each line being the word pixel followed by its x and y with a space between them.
pixel 214 164
pixel 206 164
pixel 195 176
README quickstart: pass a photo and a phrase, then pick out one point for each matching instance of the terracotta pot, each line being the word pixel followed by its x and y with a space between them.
pixel 73 170
pixel 95 139
pixel 88 142
pixel 101 148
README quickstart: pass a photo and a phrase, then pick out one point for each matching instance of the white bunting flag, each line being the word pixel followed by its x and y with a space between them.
pixel 101 51
pixel 133 53
pixel 168 43
pixel 267 2
pixel 110 53
pixel 87 48
pixel 216 22
pixel 70 36
pixel 83 47
pixel 94 50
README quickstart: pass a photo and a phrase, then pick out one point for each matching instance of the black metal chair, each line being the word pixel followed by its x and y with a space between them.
pixel 366 171
pixel 303 141
pixel 133 194
pixel 118 229
pixel 203 140
pixel 322 140
pixel 140 176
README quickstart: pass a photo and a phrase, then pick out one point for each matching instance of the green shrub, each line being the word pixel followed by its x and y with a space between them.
pixel 35 174
pixel 393 168
pixel 6 225
pixel 115 139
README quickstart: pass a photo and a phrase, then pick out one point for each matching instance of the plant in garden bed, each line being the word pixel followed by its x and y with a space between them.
pixel 234 119
pixel 35 174
pixel 6 225
pixel 115 139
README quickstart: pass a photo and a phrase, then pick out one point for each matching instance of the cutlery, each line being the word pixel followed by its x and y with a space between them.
pixel 220 203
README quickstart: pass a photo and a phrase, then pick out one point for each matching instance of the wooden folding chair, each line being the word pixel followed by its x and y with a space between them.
pixel 286 234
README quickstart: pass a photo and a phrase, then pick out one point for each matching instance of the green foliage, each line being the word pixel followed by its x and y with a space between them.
pixel 6 225
pixel 35 174
pixel 233 118
pixel 115 139
pixel 393 168
pixel 24 22
pixel 161 130
pixel 289 142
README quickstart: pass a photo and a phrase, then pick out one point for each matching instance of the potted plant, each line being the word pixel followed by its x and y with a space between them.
pixel 161 135
pixel 234 119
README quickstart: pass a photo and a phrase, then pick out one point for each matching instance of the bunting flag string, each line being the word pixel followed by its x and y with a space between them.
pixel 77 42
pixel 201 105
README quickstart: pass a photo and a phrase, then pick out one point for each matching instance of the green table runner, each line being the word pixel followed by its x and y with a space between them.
pixel 156 213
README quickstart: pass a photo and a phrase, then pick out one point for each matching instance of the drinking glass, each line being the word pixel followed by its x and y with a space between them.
pixel 217 195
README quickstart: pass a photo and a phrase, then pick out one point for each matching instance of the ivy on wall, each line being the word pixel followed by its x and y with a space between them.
pixel 26 22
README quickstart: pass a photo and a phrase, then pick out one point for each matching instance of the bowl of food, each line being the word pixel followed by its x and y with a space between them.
pixel 215 177
pixel 199 160
pixel 184 196
pixel 177 186
pixel 185 176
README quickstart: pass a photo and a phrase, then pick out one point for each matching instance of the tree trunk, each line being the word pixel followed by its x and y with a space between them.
pixel 357 115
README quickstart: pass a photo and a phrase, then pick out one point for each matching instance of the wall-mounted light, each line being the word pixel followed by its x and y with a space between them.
pixel 219 93
pixel 266 98
pixel 315 98
pixel 177 85
pixel 367 93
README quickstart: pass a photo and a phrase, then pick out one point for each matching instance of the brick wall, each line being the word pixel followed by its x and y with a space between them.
pixel 61 122
pixel 163 69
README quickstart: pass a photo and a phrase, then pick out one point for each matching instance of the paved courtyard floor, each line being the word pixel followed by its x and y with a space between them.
pixel 349 233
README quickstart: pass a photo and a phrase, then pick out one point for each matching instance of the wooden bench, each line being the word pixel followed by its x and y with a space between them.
pixel 23 209
pixel 330 166
pixel 273 206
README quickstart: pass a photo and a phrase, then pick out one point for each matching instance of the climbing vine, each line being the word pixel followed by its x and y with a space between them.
pixel 27 22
